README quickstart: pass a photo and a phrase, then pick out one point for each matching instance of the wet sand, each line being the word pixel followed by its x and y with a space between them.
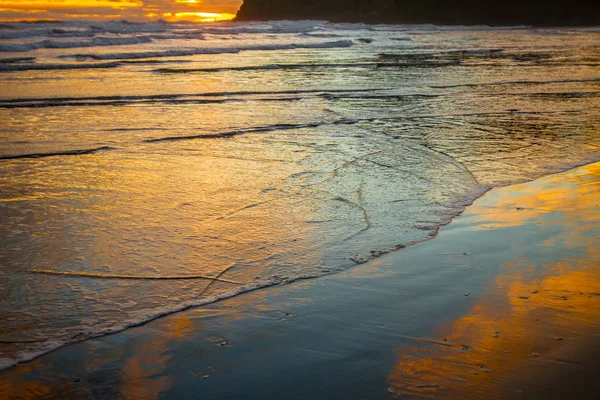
pixel 504 303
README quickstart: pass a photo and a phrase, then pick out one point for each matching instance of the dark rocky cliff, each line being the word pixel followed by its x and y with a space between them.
pixel 464 12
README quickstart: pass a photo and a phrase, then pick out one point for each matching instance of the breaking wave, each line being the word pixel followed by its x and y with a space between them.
pixel 54 44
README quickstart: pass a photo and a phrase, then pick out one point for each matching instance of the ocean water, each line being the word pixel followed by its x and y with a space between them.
pixel 146 168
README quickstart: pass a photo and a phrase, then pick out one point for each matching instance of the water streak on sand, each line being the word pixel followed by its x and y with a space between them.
pixel 112 276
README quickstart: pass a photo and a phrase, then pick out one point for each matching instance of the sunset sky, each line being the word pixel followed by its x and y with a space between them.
pixel 138 10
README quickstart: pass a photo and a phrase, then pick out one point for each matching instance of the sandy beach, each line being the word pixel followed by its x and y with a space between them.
pixel 284 199
pixel 504 303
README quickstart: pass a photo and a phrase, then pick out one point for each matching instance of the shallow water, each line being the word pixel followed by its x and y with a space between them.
pixel 146 168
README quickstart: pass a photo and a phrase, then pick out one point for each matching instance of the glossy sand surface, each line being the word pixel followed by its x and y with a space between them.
pixel 503 304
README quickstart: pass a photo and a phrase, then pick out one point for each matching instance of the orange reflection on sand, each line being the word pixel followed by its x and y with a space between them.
pixel 528 313
pixel 572 197
pixel 143 375
pixel 500 334
pixel 17 386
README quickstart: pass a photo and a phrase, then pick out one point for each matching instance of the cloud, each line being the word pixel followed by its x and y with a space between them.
pixel 114 9
pixel 67 4
pixel 216 6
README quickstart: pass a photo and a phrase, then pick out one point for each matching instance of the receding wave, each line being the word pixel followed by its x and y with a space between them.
pixel 11 67
pixel 220 97
pixel 474 52
pixel 521 57
pixel 223 135
pixel 322 35
pixel 114 102
pixel 50 67
pixel 17 60
pixel 549 82
pixel 211 50
pixel 26 64
pixel 56 153
pixel 27 102
pixel 306 66
pixel 348 121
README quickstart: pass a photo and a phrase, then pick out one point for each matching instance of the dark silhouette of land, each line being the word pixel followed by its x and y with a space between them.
pixel 456 12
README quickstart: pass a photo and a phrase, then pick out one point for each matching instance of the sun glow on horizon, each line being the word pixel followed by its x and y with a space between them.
pixel 193 16
pixel 137 10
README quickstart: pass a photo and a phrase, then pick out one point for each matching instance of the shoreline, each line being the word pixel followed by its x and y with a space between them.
pixel 55 345
pixel 308 302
